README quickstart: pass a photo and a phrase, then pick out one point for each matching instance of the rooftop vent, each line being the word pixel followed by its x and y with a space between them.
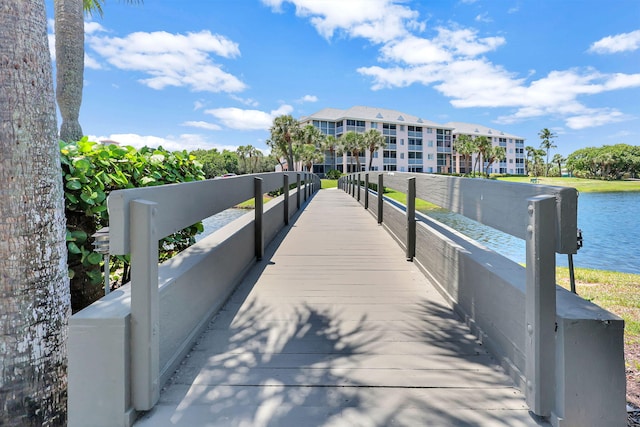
pixel 401 118
pixel 379 116
pixel 420 121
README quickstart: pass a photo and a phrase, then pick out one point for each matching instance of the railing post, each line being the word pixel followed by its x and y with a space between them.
pixel 145 340
pixel 366 191
pixel 353 185
pixel 358 182
pixel 411 218
pixel 285 188
pixel 540 305
pixel 380 197
pixel 259 210
pixel 306 186
pixel 298 191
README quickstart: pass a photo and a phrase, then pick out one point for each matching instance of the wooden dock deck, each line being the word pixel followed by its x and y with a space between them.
pixel 335 328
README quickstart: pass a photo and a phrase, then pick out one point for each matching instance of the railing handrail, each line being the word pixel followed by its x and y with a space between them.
pixel 483 201
pixel 140 217
pixel 544 216
pixel 185 201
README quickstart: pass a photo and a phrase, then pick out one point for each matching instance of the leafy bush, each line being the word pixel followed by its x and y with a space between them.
pixel 334 174
pixel 90 171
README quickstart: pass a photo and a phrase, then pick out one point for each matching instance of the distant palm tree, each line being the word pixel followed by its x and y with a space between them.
pixel 557 158
pixel 547 144
pixel 465 146
pixel 482 146
pixel 374 140
pixel 285 134
pixel 310 155
pixel 330 144
pixel 492 154
pixel 353 143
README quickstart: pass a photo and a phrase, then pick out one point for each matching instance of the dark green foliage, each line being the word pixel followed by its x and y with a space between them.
pixel 606 162
pixel 215 163
pixel 334 174
pixel 90 171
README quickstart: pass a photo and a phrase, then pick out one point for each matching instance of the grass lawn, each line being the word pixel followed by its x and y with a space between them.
pixel 582 185
pixel 329 183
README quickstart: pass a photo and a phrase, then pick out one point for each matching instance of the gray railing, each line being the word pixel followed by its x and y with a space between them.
pixel 565 353
pixel 124 347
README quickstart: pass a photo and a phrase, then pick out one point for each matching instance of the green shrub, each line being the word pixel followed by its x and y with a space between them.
pixel 334 174
pixel 90 171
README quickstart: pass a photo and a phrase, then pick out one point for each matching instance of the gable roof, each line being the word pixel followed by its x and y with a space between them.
pixel 372 114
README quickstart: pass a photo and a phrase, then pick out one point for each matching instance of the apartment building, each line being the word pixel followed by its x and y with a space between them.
pixel 413 144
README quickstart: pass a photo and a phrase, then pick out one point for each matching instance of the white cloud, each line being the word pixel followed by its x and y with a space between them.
pixel 236 118
pixel 187 142
pixel 625 42
pixel 308 98
pixel 172 59
pixel 376 20
pixel 198 105
pixel 91 27
pixel 595 117
pixel 484 17
pixel 202 125
pixel 246 101
pixel 453 61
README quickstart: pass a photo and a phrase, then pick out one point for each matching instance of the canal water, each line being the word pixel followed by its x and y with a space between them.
pixel 219 220
pixel 610 224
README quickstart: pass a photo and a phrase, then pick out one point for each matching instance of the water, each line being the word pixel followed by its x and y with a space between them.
pixel 219 220
pixel 609 223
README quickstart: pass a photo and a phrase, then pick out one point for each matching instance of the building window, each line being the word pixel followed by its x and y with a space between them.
pixel 429 156
pixel 374 125
pixel 430 144
pixel 402 155
pixel 429 130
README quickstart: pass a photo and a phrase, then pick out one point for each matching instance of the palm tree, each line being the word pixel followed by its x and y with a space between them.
pixel 330 144
pixel 35 303
pixel 353 143
pixel 465 146
pixel 311 135
pixel 285 133
pixel 557 158
pixel 482 146
pixel 69 23
pixel 310 155
pixel 373 140
pixel 492 154
pixel 547 144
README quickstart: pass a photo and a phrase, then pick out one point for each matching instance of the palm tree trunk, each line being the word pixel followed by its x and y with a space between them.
pixel 69 21
pixel 34 290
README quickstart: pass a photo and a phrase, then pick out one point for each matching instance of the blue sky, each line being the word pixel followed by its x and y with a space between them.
pixel 214 73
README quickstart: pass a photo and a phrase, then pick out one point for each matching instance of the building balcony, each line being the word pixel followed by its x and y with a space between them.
pixel 415 147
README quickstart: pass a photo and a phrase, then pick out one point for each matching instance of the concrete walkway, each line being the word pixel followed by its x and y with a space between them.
pixel 335 328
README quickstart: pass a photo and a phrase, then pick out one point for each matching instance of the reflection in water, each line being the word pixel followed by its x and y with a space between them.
pixel 608 222
pixel 219 220
pixel 505 244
